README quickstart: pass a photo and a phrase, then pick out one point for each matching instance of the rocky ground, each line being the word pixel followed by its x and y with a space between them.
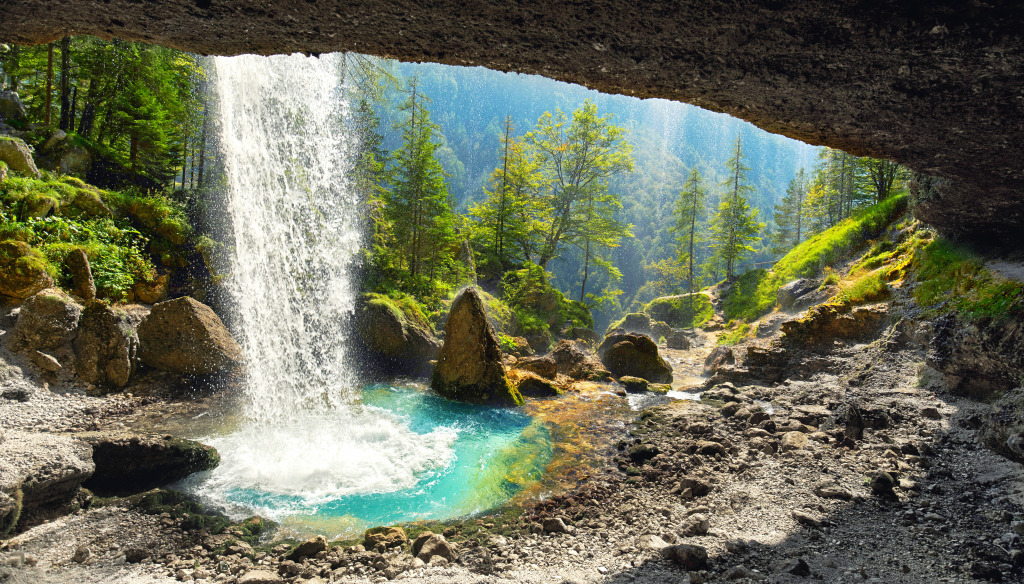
pixel 856 466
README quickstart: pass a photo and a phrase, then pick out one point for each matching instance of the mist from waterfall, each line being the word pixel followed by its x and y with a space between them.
pixel 296 226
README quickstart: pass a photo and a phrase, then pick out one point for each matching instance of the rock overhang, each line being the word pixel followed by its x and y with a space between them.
pixel 938 86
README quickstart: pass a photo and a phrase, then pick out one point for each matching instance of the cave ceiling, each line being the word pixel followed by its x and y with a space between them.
pixel 936 85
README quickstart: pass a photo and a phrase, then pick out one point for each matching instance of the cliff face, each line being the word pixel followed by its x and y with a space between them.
pixel 938 86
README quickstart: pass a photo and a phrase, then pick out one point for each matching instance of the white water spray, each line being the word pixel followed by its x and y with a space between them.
pixel 296 229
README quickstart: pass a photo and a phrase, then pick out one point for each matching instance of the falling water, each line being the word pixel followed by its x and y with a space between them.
pixel 296 231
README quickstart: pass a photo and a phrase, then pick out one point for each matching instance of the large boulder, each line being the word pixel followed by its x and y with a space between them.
pixel 11 108
pixel 634 322
pixel 185 336
pixel 47 320
pixel 40 476
pixel 106 346
pixel 717 359
pixel 681 311
pixel 530 384
pixel 16 153
pixel 23 270
pixel 827 323
pixel 634 355
pixel 59 154
pixel 392 342
pixel 131 463
pixel 543 365
pixel 470 367
pixel 573 360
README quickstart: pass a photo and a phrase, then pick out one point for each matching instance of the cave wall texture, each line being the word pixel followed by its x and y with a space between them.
pixel 936 85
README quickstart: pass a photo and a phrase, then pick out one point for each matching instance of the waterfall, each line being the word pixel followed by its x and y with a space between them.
pixel 296 229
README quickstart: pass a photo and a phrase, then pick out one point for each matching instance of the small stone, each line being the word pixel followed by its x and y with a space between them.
pixel 691 557
pixel 931 413
pixel 555 525
pixel 797 567
pixel 136 555
pixel 45 362
pixel 793 441
pixel 697 524
pixel 830 490
pixel 259 577
pixel 309 548
pixel 82 554
pixel 806 518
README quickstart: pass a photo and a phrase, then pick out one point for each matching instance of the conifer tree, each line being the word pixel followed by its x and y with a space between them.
pixel 734 227
pixel 418 206
pixel 789 216
pixel 691 207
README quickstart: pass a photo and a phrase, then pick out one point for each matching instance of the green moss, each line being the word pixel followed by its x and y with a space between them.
pixel 736 332
pixel 953 276
pixel 403 306
pixel 538 305
pixel 755 296
pixel 19 258
pixel 676 311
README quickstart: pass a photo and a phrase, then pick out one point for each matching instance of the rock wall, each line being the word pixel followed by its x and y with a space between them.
pixel 936 85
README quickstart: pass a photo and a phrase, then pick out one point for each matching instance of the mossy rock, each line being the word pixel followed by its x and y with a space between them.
pixel 23 270
pixel 470 366
pixel 676 312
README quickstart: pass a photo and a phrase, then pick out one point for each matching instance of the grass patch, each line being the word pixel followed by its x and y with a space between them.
pixel 676 310
pixel 736 332
pixel 952 276
pixel 753 295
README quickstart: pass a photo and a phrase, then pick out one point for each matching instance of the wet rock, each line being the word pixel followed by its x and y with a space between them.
pixel 717 359
pixel 391 341
pixel 436 546
pixel 22 270
pixel 584 334
pixel 82 284
pixel 470 367
pixel 105 346
pixel 543 365
pixel 389 537
pixel 40 477
pixel 574 362
pixel 633 384
pixel 47 320
pixel 132 463
pixel 660 330
pixel 532 385
pixel 18 156
pixel 185 336
pixel 690 557
pixel 634 355
pixel 311 547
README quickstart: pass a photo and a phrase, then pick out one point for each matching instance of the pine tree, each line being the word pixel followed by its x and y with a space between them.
pixel 419 206
pixel 691 207
pixel 735 224
pixel 789 216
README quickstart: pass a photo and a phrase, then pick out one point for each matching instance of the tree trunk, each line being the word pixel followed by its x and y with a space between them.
pixel 586 271
pixel 49 85
pixel 74 107
pixel 88 116
pixel 16 63
pixel 65 83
